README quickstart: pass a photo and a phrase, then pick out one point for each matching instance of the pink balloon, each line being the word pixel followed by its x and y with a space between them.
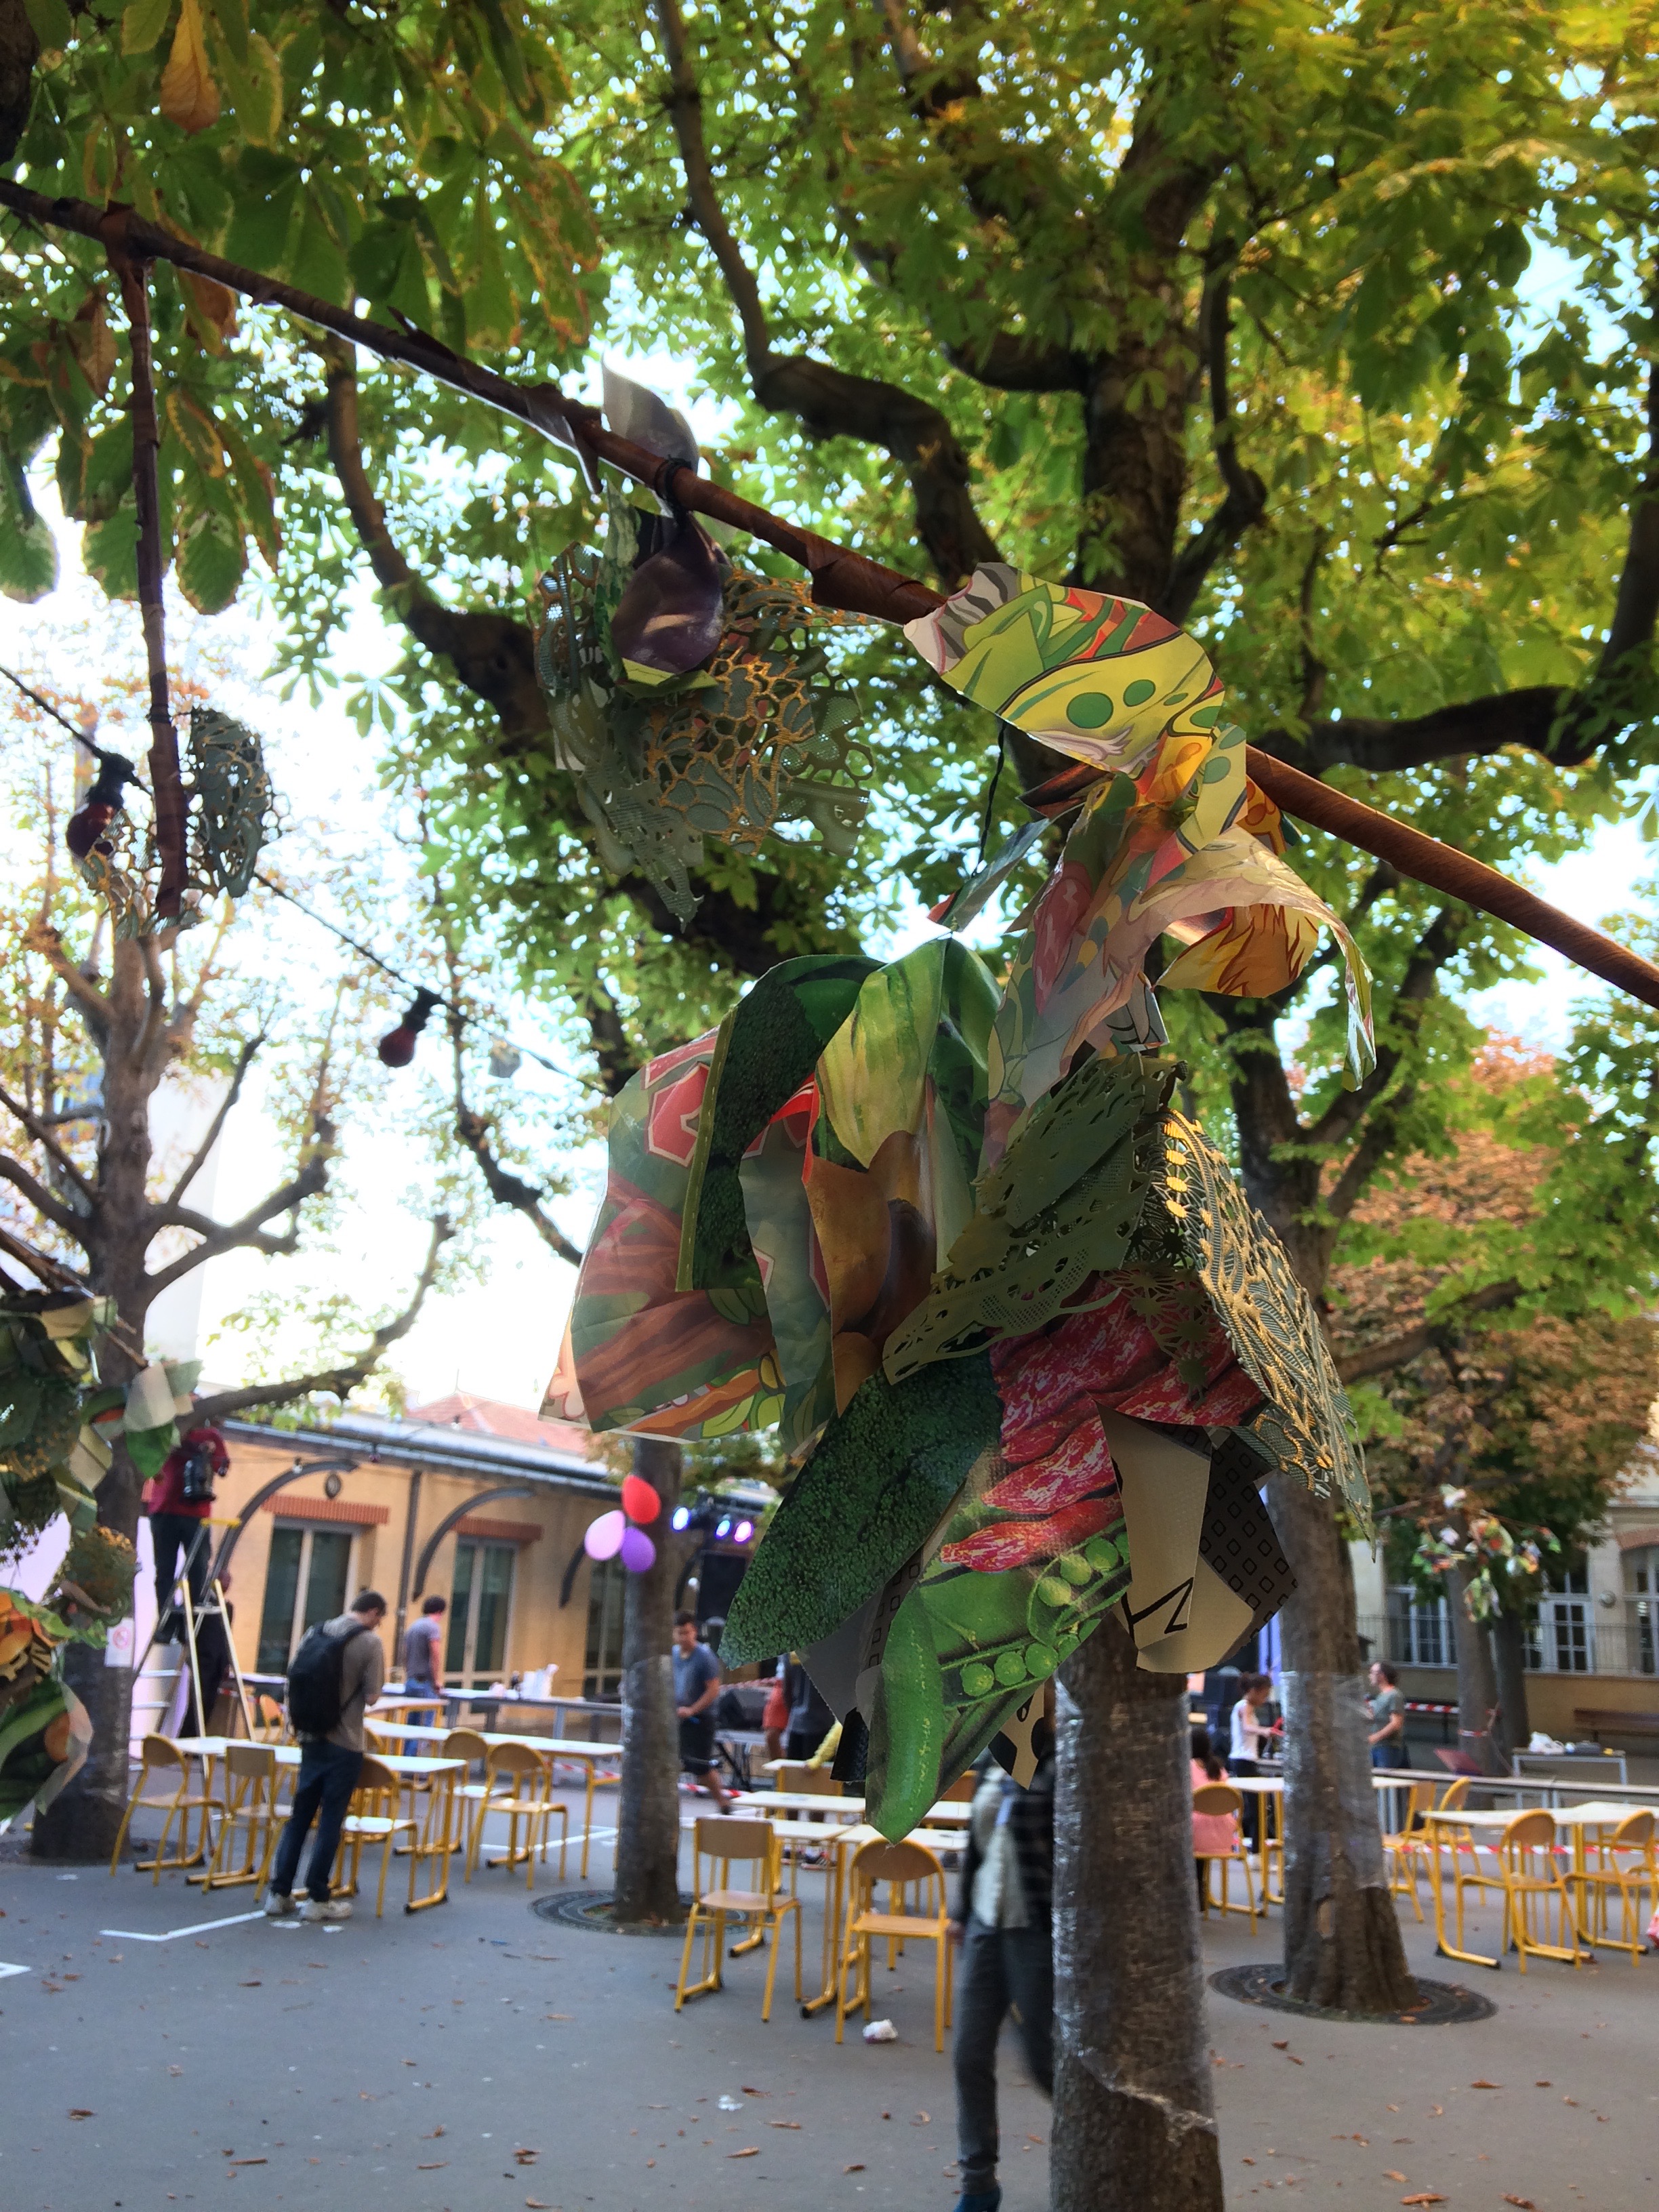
pixel 605 1536
pixel 638 1552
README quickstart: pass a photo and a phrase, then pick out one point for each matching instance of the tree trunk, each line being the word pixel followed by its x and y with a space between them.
pixel 647 1814
pixel 1509 1648
pixel 1342 1944
pixel 79 1828
pixel 1477 1679
pixel 1134 2123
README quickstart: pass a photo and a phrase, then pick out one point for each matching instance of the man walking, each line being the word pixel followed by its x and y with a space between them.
pixel 336 1675
pixel 421 1643
pixel 1004 1925
pixel 696 1687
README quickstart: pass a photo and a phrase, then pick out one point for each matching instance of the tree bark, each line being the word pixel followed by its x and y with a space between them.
pixel 1134 2121
pixel 1477 1679
pixel 647 1813
pixel 1509 1648
pixel 1342 1945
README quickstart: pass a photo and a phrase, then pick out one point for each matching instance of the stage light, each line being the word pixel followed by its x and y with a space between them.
pixel 682 1519
pixel 744 1530
pixel 724 1527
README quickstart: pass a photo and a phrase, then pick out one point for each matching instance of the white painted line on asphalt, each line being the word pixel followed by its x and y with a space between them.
pixel 5 1969
pixel 198 1928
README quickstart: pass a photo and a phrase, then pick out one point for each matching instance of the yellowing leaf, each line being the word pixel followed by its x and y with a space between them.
pixel 199 431
pixel 255 85
pixel 189 96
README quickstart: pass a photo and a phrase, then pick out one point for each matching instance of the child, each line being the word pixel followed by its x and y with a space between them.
pixel 1212 1832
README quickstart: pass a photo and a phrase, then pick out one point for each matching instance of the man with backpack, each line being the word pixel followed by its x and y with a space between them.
pixel 336 1675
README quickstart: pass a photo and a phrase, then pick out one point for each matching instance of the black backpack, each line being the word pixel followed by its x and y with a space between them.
pixel 314 1679
pixel 195 1474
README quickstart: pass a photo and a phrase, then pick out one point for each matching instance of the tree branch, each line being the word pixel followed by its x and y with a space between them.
pixel 506 1188
pixel 215 1128
pixel 492 654
pixel 1245 500
pixel 1391 1352
pixel 615 1055
pixel 42 1135
pixel 827 401
pixel 1007 362
pixel 42 939
pixel 49 1208
pixel 51 1271
pixel 340 1380
pixel 1469 727
pixel 248 1234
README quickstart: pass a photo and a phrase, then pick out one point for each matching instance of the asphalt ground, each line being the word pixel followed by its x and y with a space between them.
pixel 479 2056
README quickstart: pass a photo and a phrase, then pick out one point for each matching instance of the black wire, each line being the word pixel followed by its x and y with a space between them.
pixel 46 707
pixel 991 795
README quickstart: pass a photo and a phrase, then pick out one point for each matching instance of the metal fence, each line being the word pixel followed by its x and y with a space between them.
pixel 1568 1638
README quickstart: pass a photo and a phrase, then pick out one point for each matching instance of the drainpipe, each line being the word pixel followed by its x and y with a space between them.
pixel 413 1516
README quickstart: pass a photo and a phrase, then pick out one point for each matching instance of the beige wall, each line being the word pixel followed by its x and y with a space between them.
pixel 1551 1699
pixel 539 1631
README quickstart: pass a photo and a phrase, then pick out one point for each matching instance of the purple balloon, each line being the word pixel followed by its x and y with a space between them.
pixel 638 1552
pixel 605 1537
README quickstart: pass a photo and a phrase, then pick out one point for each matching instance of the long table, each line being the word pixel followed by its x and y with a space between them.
pixel 431 1806
pixel 592 1758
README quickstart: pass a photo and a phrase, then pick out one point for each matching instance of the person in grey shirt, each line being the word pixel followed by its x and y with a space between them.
pixel 328 1766
pixel 697 1688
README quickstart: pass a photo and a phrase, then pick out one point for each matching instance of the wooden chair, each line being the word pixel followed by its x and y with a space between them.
pixel 248 1784
pixel 162 1757
pixel 1221 1798
pixel 902 1866
pixel 819 1782
pixel 1623 1864
pixel 961 1791
pixel 724 1843
pixel 1407 1852
pixel 1530 1871
pixel 1272 1846
pixel 529 1798
pixel 372 1818
pixel 269 1722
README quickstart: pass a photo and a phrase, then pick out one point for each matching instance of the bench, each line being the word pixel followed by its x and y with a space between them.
pixel 1599 1721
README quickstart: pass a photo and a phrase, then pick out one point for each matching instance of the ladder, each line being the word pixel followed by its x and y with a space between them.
pixel 172 1706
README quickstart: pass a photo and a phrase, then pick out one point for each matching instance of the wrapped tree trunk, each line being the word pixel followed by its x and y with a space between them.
pixel 1135 2124
pixel 1477 1679
pixel 1342 1944
pixel 1509 1651
pixel 647 1813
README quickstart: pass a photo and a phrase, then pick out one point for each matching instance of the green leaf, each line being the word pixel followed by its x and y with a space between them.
pixel 317 264
pixel 212 558
pixel 231 16
pixel 53 24
pixel 28 552
pixel 109 552
pixel 254 80
pixel 263 214
pixel 143 22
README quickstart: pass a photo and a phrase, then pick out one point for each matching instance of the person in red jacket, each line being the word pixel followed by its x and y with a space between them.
pixel 176 1518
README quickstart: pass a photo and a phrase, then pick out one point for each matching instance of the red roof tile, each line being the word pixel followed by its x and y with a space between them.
pixel 489 1417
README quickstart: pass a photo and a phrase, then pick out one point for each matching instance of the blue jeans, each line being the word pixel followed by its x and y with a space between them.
pixel 328 1775
pixel 999 1967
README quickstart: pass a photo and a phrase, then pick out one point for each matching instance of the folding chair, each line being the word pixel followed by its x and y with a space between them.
pixel 724 1842
pixel 1529 1870
pixel 249 1782
pixel 902 1866
pixel 1221 1798
pixel 1407 1851
pixel 372 1818
pixel 161 1756
pixel 530 1798
pixel 1623 1864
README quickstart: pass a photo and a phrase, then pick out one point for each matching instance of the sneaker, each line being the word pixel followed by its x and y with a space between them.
pixel 276 1906
pixel 332 1908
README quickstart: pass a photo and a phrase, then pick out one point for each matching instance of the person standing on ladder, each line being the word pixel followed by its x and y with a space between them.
pixel 178 1501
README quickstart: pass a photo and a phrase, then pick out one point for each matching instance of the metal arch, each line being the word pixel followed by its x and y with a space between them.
pixel 467 1505
pixel 340 1461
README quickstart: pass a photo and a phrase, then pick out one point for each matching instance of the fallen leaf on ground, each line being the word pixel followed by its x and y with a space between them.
pixel 753 2151
pixel 1283 2046
pixel 1294 2060
pixel 857 2167
pixel 250 2161
pixel 433 2137
pixel 1525 2203
pixel 783 2123
pixel 526 2157
pixel 1569 2101
pixel 1390 2174
pixel 1543 2085
pixel 748 2092
pixel 1439 2112
pixel 82 2112
pixel 921 2120
pixel 1424 2196
pixel 1486 2084
pixel 537 2205
pixel 434 2165
pixel 253 1986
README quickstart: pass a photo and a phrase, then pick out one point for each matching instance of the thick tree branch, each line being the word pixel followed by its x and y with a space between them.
pixel 827 401
pixel 338 1382
pixel 492 654
pixel 506 1188
pixel 1245 498
pixel 1399 1351
pixel 62 1217
pixel 1469 727
pixel 93 1006
pixel 1007 362
pixel 612 1049
pixel 215 1128
pixel 249 1234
